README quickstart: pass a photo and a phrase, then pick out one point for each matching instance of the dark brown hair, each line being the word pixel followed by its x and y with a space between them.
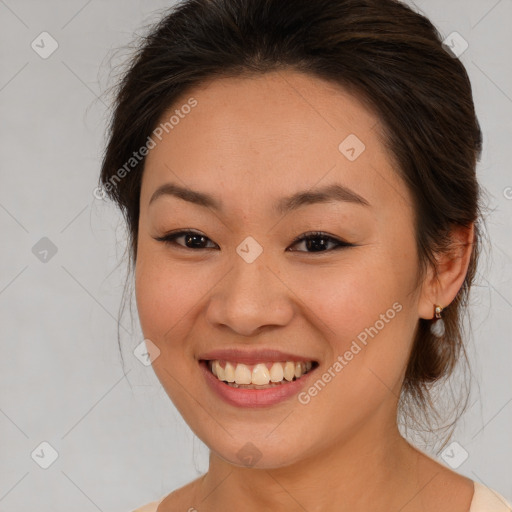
pixel 383 52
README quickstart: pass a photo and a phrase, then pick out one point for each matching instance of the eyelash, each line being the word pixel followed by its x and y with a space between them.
pixel 170 238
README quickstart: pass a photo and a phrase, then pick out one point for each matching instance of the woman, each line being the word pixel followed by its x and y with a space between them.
pixel 298 180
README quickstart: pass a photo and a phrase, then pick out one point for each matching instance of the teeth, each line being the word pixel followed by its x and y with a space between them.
pixel 276 372
pixel 229 372
pixel 242 374
pixel 220 371
pixel 289 371
pixel 261 374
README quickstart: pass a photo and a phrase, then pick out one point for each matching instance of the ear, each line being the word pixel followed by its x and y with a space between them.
pixel 442 284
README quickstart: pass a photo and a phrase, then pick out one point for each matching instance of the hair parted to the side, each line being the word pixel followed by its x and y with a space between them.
pixel 393 60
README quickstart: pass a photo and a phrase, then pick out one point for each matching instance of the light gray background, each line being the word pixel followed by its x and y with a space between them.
pixel 119 439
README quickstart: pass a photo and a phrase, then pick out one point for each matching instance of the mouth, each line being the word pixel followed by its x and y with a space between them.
pixel 262 375
pixel 256 378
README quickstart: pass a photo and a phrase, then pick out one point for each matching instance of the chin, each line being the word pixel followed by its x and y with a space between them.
pixel 258 452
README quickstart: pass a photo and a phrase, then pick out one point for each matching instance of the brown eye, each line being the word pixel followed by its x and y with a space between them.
pixel 314 242
pixel 318 242
pixel 191 239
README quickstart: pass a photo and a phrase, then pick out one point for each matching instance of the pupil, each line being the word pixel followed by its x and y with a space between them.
pixel 189 237
pixel 310 244
pixel 315 243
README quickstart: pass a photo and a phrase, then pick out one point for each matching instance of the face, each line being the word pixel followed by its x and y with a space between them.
pixel 241 279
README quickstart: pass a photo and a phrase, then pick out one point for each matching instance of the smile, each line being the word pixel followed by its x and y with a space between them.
pixel 261 375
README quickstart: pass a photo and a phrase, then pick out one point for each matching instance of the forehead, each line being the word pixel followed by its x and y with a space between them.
pixel 268 135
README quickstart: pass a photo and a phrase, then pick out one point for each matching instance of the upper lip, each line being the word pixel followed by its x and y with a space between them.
pixel 252 356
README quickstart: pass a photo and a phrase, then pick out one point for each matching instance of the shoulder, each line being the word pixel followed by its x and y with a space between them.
pixel 177 500
pixel 149 507
pixel 450 490
pixel 486 499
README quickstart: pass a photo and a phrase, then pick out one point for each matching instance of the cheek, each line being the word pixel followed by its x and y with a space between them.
pixel 344 298
pixel 163 295
pixel 367 325
pixel 364 310
pixel 170 295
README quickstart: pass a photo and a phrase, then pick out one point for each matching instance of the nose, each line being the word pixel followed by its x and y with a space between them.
pixel 250 298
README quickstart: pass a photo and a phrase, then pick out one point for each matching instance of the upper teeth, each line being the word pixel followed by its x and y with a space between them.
pixel 261 373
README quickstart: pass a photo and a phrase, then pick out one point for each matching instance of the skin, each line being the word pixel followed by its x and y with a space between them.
pixel 250 142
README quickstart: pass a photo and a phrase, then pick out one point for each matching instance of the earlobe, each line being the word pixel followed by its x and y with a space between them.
pixel 442 284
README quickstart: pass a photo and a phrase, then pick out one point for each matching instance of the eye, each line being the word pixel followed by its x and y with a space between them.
pixel 318 242
pixel 192 239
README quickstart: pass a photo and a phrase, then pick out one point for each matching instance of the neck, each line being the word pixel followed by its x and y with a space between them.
pixel 370 470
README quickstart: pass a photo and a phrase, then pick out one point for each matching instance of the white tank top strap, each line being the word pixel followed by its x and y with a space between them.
pixel 488 500
pixel 149 507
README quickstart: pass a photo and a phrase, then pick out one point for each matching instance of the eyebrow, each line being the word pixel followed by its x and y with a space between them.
pixel 329 193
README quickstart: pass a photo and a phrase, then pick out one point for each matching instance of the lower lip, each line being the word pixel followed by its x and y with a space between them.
pixel 253 397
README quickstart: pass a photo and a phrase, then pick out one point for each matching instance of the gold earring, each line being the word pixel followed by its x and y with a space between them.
pixel 437 327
